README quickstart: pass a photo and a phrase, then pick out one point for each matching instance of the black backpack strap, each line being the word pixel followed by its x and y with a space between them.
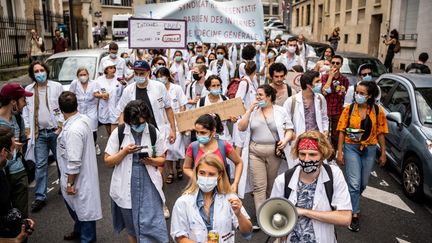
pixel 224 97
pixel 376 114
pixel 202 101
pixel 288 175
pixel 120 131
pixel 351 109
pixel 328 185
pixel 289 90
pixel 190 89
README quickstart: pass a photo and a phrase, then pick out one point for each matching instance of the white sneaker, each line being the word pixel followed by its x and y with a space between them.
pixel 166 212
pixel 98 151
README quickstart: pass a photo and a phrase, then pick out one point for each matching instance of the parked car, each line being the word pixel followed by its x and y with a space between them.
pixel 352 61
pixel 269 20
pixel 407 102
pixel 123 45
pixel 275 26
pixel 63 66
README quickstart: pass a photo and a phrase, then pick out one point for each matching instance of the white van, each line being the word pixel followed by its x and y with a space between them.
pixel 120 26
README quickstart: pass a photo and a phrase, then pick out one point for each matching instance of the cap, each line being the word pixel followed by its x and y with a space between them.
pixel 13 91
pixel 364 66
pixel 108 63
pixel 141 65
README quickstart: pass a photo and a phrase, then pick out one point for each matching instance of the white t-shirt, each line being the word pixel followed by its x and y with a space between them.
pixel 44 120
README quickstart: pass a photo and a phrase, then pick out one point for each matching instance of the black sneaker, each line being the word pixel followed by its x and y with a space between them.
pixel 355 225
pixel 37 205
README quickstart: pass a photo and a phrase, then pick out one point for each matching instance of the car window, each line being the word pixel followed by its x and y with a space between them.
pixel 400 102
pixel 385 85
pixel 350 66
pixel 424 105
pixel 64 69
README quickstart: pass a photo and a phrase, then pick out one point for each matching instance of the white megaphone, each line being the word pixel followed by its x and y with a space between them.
pixel 277 217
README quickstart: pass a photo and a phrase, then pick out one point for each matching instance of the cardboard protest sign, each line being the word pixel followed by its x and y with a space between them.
pixel 212 21
pixel 153 33
pixel 226 110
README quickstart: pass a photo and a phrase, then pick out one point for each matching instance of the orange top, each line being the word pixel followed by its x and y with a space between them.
pixel 355 122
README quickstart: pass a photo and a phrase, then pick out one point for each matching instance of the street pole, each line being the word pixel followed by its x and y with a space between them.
pixel 72 25
pixel 288 3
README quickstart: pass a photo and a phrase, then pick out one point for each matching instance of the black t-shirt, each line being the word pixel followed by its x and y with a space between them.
pixel 5 203
pixel 141 94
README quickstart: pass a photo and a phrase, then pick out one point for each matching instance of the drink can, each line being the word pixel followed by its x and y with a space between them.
pixel 213 236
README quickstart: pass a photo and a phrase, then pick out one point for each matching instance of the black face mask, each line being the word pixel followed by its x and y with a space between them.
pixel 309 166
pixel 196 76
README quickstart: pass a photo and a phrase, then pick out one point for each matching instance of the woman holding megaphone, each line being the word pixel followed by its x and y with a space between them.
pixel 318 191
pixel 208 211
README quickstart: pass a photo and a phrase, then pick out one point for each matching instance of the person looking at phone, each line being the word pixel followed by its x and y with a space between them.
pixel 136 184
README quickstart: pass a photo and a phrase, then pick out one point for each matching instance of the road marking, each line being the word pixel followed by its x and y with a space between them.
pixel 373 173
pixel 383 183
pixel 55 182
pixel 402 241
pixel 50 189
pixel 388 198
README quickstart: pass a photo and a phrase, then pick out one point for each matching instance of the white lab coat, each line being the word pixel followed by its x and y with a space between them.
pixel 180 70
pixel 54 89
pixel 226 73
pixel 187 221
pixel 289 63
pixel 87 103
pixel 189 95
pixel 76 155
pixel 282 124
pixel 120 188
pixel 107 112
pixel 298 118
pixel 262 58
pixel 159 98
pixel 341 199
pixel 232 54
pixel 119 62
pixel 189 78
pixel 176 150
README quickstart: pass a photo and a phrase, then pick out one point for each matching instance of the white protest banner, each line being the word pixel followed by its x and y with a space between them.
pixel 226 110
pixel 212 21
pixel 154 33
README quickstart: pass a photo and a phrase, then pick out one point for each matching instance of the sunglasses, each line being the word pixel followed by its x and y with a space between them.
pixel 365 74
pixel 335 63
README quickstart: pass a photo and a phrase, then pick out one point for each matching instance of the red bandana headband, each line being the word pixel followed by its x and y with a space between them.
pixel 308 144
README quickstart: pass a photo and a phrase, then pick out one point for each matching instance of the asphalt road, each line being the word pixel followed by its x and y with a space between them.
pixel 387 215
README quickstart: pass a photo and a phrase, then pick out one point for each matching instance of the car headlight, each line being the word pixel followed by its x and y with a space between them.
pixel 429 145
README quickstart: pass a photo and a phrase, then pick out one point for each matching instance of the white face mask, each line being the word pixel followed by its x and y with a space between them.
pixel 292 49
pixel 83 79
pixel 207 184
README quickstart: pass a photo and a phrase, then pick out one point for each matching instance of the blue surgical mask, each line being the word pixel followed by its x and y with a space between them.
pixel 220 57
pixel 360 99
pixel 367 78
pixel 162 80
pixel 138 128
pixel 203 139
pixel 328 90
pixel 41 77
pixel 215 91
pixel 113 55
pixel 126 59
pixel 178 58
pixel 207 184
pixel 261 104
pixel 270 55
pixel 317 88
pixel 140 80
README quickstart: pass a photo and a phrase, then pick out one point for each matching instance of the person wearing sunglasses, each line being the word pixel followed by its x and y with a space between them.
pixel 334 89
pixel 364 73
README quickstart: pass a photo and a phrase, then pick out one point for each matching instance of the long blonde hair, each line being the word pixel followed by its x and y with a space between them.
pixel 223 185
pixel 324 146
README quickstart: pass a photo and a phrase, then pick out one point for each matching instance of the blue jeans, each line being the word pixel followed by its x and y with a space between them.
pixel 86 229
pixel 358 166
pixel 46 141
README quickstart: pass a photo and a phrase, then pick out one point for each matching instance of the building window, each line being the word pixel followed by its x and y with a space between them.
pixel 337 18
pixel 346 38
pixel 275 10
pixel 338 5
pixel 411 16
pixel 362 3
pixel 297 17
pixel 126 3
pixel 266 10
pixel 361 15
pixel 348 17
pixel 302 16
pixel 308 14
pixel 348 4
pixel 358 39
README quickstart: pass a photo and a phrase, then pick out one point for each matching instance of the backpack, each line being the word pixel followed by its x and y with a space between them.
pixel 190 88
pixel 202 100
pixel 397 47
pixel 222 150
pixel 233 87
pixel 328 185
pixel 153 136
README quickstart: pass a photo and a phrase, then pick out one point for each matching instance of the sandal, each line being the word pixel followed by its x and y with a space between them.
pixel 179 173
pixel 170 178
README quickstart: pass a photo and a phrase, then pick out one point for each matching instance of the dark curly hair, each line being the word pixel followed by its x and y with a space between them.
pixel 268 91
pixel 134 110
pixel 207 83
pixel 248 52
pixel 31 72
